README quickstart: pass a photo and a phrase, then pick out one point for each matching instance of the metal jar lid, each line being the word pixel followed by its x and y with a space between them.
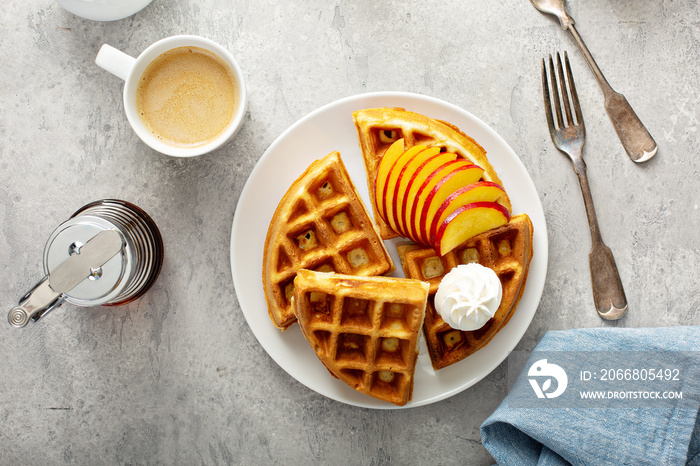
pixel 106 281
pixel 109 252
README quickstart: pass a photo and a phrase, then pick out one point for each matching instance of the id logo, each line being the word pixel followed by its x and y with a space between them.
pixel 542 369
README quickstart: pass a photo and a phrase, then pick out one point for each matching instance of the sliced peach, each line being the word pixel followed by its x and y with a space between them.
pixel 432 199
pixel 392 178
pixel 483 191
pixel 428 182
pixel 425 170
pixel 407 173
pixel 468 221
pixel 385 164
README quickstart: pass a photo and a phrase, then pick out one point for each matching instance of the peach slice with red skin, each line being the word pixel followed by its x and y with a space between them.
pixel 468 221
pixel 393 177
pixel 407 175
pixel 482 191
pixel 387 161
pixel 427 182
pixel 406 197
pixel 463 175
pixel 435 198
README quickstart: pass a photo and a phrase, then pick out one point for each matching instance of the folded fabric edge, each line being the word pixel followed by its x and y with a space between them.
pixel 509 439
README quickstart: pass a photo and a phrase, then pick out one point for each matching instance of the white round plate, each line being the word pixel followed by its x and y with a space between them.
pixel 331 128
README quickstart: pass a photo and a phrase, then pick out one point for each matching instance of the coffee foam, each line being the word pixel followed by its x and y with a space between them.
pixel 187 97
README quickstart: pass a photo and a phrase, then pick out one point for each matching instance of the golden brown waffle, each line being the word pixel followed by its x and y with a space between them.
pixel 378 128
pixel 320 224
pixel 365 330
pixel 507 250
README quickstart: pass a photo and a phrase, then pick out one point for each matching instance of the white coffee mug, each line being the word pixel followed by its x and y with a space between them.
pixel 130 70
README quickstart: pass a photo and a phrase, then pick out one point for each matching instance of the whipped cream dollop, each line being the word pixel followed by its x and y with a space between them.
pixel 468 296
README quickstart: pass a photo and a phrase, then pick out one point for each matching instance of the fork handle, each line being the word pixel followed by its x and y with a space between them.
pixel 608 293
pixel 635 138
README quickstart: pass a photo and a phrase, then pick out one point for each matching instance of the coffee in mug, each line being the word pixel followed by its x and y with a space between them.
pixel 184 95
pixel 187 97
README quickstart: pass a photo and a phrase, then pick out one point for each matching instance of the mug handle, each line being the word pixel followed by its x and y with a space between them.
pixel 115 61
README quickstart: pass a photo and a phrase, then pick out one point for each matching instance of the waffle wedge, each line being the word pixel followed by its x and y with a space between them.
pixel 507 250
pixel 365 330
pixel 320 224
pixel 378 128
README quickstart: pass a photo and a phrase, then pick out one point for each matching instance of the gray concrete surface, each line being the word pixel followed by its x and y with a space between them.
pixel 177 377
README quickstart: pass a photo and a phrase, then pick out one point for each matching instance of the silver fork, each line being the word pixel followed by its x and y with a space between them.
pixel 568 135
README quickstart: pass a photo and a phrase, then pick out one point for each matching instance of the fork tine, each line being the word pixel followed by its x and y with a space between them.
pixel 555 93
pixel 564 93
pixel 547 99
pixel 572 88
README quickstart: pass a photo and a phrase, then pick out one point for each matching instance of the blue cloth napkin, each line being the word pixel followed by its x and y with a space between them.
pixel 623 432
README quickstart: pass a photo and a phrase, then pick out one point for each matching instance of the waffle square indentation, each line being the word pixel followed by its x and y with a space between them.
pixel 325 190
pixel 340 222
pixel 356 312
pixel 387 381
pixel 321 306
pixel 451 339
pixel 432 267
pixel 384 137
pixel 306 238
pixel 392 352
pixel 396 317
pixel 352 348
pixel 322 341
